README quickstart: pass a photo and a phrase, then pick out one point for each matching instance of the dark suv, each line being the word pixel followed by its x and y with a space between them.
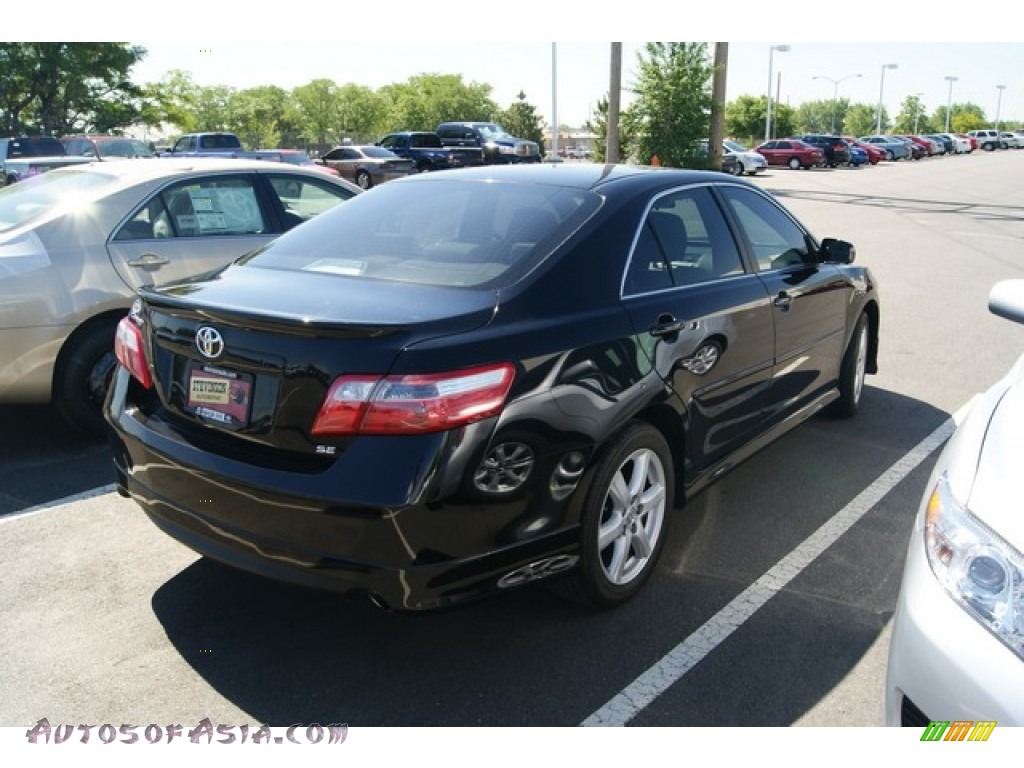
pixel 837 151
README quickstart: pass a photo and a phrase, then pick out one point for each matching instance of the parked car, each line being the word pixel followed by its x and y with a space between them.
pixel 367 166
pixel 425 149
pixel 297 157
pixel 917 151
pixel 837 151
pixel 23 157
pixel 894 149
pixel 498 145
pixel 747 161
pixel 957 648
pixel 875 154
pixel 464 383
pixel 858 156
pixel 791 152
pixel 948 142
pixel 988 139
pixel 67 279
pixel 973 140
pixel 107 147
pixel 962 144
pixel 932 147
pixel 1010 140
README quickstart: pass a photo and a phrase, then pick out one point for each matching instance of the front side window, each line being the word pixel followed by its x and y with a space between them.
pixel 218 206
pixel 775 239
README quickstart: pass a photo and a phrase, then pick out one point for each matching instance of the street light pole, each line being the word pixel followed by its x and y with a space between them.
pixel 917 111
pixel 768 110
pixel 881 90
pixel 999 104
pixel 949 99
pixel 835 94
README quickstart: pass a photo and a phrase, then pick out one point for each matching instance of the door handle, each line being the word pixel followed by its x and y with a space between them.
pixel 149 261
pixel 783 300
pixel 668 326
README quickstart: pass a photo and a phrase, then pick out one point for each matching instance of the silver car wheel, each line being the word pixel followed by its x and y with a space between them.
pixel 632 517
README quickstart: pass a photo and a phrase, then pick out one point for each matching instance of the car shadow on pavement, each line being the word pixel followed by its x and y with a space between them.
pixel 288 655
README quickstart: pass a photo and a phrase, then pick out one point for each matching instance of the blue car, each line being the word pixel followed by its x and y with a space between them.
pixel 893 148
pixel 858 156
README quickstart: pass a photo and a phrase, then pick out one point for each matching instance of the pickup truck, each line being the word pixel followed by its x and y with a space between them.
pixel 215 144
pixel 427 151
pixel 25 156
pixel 499 147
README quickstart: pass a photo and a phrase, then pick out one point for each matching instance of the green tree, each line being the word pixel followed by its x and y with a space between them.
pixel 256 115
pixel 672 104
pixel 214 108
pixel 58 88
pixel 173 101
pixel 598 125
pixel 316 105
pixel 521 120
pixel 860 120
pixel 912 117
pixel 426 100
pixel 744 119
pixel 362 114
pixel 814 117
pixel 963 117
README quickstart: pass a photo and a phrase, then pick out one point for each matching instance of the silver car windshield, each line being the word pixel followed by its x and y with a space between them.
pixel 43 194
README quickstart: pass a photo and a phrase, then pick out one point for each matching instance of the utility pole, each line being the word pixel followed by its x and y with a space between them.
pixel 611 152
pixel 718 78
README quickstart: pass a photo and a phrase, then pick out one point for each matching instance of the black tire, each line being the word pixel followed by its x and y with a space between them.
pixel 889 155
pixel 852 372
pixel 425 167
pixel 740 170
pixel 633 528
pixel 363 180
pixel 83 376
pixel 794 163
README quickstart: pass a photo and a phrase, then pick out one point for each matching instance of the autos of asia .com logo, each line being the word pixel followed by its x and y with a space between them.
pixel 958 730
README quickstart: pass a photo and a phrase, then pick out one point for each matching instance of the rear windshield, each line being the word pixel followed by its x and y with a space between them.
pixel 35 146
pixel 48 192
pixel 435 232
pixel 123 148
pixel 220 141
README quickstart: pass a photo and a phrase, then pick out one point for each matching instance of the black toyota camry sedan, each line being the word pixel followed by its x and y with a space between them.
pixel 463 383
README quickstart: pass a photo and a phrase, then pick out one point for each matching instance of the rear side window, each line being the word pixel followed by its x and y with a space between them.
pixel 35 146
pixel 684 241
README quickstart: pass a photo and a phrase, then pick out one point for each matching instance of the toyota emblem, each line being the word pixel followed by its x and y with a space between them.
pixel 209 342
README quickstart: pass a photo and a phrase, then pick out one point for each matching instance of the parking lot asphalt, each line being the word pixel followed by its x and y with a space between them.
pixel 105 619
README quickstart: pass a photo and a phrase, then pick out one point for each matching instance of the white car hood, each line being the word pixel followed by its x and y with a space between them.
pixel 986 458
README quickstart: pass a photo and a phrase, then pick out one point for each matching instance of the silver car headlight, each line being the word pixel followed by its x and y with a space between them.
pixel 982 572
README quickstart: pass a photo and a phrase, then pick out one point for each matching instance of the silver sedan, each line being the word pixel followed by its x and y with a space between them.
pixel 76 243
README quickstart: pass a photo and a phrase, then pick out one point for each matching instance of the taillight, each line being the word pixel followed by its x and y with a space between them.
pixel 130 353
pixel 402 405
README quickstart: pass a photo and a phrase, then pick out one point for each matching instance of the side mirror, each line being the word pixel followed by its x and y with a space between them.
pixel 837 251
pixel 1007 300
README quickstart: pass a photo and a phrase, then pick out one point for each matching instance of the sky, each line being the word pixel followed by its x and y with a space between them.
pixel 578 72
pixel 508 46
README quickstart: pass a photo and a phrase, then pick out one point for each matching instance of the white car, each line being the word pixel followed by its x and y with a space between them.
pixel 961 146
pixel 957 650
pixel 1010 140
pixel 747 161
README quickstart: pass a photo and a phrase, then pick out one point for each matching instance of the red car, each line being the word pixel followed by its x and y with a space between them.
pixel 874 153
pixel 791 152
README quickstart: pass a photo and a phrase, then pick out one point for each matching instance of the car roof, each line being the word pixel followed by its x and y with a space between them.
pixel 582 176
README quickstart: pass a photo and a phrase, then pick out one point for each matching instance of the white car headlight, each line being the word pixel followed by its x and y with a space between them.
pixel 982 573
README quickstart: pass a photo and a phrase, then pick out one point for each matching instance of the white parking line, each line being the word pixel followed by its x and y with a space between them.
pixel 625 705
pixel 57 503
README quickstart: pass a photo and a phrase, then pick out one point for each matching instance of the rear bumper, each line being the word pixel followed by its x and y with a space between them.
pixel 376 523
